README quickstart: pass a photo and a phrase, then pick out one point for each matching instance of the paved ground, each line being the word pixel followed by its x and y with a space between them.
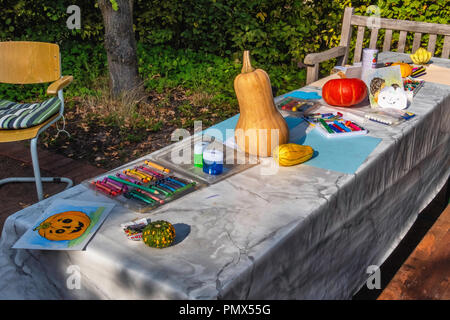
pixel 394 262
pixel 15 160
pixel 426 272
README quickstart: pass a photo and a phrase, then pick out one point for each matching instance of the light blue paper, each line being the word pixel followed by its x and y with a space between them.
pixel 343 155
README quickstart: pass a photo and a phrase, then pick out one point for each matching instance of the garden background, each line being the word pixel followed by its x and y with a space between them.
pixel 189 53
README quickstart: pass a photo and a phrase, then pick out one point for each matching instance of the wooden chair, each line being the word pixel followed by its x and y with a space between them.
pixel 341 52
pixel 25 62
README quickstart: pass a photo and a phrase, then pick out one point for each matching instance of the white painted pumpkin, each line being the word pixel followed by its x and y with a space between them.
pixel 392 97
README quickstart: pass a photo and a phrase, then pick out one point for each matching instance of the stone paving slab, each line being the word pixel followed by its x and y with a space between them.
pixel 15 160
pixel 426 273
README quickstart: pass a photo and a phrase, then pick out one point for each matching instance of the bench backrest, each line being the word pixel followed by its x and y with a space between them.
pixel 391 25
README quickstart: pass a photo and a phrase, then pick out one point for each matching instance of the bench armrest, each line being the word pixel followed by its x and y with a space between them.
pixel 59 84
pixel 314 58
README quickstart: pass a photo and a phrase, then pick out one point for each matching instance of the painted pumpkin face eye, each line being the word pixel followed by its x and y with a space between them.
pixel 60 231
pixel 67 220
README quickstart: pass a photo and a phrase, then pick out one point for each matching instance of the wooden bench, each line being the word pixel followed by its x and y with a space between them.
pixel 341 52
pixel 426 272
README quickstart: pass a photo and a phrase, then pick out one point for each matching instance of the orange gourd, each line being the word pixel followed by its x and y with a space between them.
pixel 405 68
pixel 259 117
pixel 67 225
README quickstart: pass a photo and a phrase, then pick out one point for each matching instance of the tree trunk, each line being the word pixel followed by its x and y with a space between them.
pixel 120 44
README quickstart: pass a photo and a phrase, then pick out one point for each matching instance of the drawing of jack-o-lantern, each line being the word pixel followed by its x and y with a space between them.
pixel 67 225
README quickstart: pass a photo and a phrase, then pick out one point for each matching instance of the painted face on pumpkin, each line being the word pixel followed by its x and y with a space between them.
pixel 392 97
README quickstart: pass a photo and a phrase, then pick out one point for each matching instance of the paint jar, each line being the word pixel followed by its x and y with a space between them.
pixel 212 161
pixel 199 147
pixel 369 58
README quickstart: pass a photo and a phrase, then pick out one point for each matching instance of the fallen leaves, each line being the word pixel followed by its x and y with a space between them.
pixel 108 133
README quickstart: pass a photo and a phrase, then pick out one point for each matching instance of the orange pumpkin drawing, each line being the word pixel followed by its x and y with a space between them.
pixel 67 225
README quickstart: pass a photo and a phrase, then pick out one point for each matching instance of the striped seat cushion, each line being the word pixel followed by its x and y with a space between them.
pixel 24 115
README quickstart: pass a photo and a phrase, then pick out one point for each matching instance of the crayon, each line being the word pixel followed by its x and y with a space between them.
pixel 160 190
pixel 154 173
pixel 341 126
pixel 190 185
pixel 325 125
pixel 149 188
pixel 163 185
pixel 176 181
pixel 139 196
pixel 156 166
pixel 104 188
pixel 336 128
pixel 114 184
pixel 148 194
pixel 127 178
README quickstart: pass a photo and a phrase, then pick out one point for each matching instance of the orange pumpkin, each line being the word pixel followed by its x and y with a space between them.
pixel 344 92
pixel 259 117
pixel 67 225
pixel 405 68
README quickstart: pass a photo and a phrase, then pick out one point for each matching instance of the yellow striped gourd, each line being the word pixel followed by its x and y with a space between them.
pixel 290 154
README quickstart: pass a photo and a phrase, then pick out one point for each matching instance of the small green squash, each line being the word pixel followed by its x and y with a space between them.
pixel 158 234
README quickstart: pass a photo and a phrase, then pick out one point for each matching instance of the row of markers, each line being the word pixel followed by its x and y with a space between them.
pixel 333 123
pixel 149 183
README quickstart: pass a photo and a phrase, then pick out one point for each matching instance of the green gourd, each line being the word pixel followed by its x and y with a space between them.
pixel 158 234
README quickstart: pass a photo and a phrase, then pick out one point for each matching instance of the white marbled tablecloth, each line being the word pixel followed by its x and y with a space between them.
pixel 306 233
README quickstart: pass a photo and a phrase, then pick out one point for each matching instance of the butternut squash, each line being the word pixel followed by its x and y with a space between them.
pixel 259 121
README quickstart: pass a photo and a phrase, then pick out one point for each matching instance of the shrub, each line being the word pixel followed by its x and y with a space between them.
pixel 198 43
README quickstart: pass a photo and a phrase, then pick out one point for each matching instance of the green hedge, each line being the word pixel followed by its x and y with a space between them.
pixel 278 33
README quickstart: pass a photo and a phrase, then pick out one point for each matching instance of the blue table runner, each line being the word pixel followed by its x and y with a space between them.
pixel 343 155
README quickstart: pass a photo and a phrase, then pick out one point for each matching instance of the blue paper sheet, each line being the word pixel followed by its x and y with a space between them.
pixel 303 95
pixel 344 154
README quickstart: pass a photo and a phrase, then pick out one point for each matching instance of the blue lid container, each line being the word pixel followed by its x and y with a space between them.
pixel 212 161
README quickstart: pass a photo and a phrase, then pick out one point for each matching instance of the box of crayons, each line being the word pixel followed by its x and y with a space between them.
pixel 412 85
pixel 297 106
pixel 143 186
pixel 333 125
